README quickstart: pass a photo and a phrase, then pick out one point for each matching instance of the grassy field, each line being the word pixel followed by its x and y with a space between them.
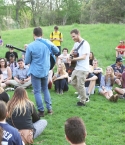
pixel 104 120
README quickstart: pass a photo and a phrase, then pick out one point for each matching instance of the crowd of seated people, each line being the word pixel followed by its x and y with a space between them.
pixel 14 72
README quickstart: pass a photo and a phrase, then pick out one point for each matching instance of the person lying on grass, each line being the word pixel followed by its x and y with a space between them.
pixel 106 85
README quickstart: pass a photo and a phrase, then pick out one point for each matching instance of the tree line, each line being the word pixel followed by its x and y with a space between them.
pixel 26 13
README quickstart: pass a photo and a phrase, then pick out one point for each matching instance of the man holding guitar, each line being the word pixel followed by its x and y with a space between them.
pixel 81 48
pixel 38 56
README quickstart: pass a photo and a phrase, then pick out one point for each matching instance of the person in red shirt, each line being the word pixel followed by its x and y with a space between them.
pixel 120 49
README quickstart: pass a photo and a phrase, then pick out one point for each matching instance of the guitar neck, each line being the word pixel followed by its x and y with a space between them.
pixel 19 49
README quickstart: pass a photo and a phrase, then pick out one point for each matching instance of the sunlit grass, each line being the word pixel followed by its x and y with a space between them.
pixel 104 120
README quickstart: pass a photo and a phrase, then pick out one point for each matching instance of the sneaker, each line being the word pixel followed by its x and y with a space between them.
pixel 41 113
pixel 121 97
pixel 57 91
pixel 115 97
pixel 61 92
pixel 50 112
pixel 76 93
pixel 9 89
pixel 87 100
pixel 80 104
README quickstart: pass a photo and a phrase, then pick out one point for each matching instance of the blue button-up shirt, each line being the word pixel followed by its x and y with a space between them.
pixel 38 56
pixel 21 73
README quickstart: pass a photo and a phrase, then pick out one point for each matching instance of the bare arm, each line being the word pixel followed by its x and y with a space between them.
pixel 9 73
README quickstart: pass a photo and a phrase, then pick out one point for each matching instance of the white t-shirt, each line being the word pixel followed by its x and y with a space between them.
pixel 84 49
pixel 64 58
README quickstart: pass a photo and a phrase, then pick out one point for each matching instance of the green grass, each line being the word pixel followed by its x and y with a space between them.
pixel 104 120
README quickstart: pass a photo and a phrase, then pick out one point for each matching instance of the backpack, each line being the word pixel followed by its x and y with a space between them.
pixel 59 35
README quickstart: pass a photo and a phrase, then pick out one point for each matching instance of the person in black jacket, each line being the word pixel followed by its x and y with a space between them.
pixel 8 53
pixel 22 113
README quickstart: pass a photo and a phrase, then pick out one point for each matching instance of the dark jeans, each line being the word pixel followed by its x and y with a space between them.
pixel 99 78
pixel 61 84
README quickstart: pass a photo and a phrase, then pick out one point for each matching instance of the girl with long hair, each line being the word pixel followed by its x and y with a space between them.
pixel 91 58
pixel 6 71
pixel 22 113
pixel 60 79
pixel 106 85
pixel 8 134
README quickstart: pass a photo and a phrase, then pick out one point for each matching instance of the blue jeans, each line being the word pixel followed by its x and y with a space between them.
pixel 41 85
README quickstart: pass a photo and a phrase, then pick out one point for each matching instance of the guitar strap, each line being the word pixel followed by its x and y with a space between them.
pixel 79 46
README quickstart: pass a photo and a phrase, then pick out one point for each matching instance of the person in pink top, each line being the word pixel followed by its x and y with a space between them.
pixel 120 49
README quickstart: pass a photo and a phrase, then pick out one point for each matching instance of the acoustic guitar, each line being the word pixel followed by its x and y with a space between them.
pixel 52 59
pixel 73 62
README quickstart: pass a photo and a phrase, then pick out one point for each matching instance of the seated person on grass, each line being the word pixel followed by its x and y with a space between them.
pixel 6 71
pixel 11 135
pixel 97 71
pixel 11 51
pixel 12 63
pixel 106 85
pixel 20 75
pixel 118 68
pixel 64 58
pixel 2 84
pixel 60 79
pixel 91 58
pixel 121 91
pixel 23 53
pixel 120 49
pixel 75 131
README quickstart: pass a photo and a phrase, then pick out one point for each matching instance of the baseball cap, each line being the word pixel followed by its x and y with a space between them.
pixel 119 59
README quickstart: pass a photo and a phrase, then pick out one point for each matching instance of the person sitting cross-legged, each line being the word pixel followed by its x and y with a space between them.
pixel 120 49
pixel 60 79
pixel 118 68
pixel 22 113
pixel 12 62
pixel 64 58
pixel 20 75
pixel 75 131
pixel 106 85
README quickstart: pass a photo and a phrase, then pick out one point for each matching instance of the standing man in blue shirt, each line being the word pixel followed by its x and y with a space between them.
pixel 38 56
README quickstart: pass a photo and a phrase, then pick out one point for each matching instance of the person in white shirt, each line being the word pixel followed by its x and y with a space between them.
pixel 81 70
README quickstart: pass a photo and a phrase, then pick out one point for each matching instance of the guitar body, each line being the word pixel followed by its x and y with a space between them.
pixel 73 63
pixel 52 61
pixel 52 58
